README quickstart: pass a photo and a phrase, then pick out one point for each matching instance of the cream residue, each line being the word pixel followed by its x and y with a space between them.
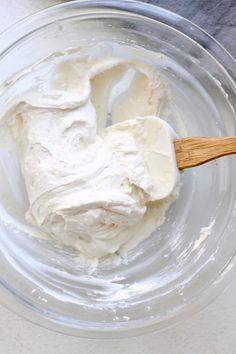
pixel 94 187
pixel 203 235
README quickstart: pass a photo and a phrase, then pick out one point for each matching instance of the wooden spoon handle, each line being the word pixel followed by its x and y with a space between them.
pixel 192 152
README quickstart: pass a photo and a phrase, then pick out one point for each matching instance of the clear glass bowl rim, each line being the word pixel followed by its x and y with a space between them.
pixel 32 23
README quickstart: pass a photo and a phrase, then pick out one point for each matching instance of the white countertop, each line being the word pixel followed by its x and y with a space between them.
pixel 209 332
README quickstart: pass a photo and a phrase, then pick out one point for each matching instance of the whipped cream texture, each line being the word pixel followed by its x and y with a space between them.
pixel 99 165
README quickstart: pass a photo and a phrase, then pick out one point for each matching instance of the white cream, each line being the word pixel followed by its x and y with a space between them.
pixel 93 187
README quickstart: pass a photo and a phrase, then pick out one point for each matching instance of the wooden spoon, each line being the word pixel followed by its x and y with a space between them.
pixel 192 152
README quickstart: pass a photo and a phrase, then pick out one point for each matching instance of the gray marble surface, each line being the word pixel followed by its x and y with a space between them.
pixel 217 17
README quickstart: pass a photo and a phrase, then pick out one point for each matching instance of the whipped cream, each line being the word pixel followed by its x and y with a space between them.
pixel 92 185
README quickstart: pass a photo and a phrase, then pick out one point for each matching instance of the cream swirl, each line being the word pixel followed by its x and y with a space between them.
pixel 92 187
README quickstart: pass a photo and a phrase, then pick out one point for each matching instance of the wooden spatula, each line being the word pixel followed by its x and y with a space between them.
pixel 192 152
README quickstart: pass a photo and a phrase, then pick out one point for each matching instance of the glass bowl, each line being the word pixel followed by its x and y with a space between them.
pixel 184 264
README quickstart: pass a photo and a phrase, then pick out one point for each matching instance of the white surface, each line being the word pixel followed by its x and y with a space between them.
pixel 210 332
